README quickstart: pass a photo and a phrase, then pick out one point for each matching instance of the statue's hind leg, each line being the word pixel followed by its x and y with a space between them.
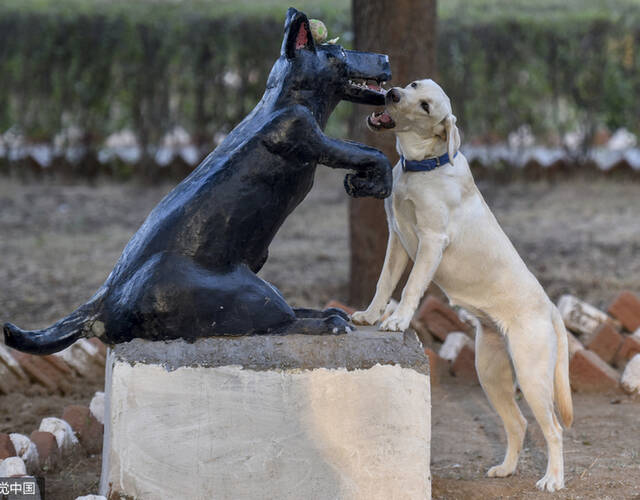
pixel 179 298
pixel 329 325
pixel 302 313
pixel 270 313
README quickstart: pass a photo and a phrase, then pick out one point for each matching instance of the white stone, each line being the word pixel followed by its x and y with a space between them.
pixel 622 139
pixel 26 450
pixel 92 497
pixel 631 377
pixel 97 406
pixel 453 344
pixel 579 316
pixel 12 466
pixel 65 437
pixel 122 139
pixel 521 138
pixel 232 432
pixel 176 137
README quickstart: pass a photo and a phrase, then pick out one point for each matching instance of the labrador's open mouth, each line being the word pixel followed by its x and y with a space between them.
pixel 380 120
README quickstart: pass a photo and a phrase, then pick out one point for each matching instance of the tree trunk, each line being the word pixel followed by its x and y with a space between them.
pixel 406 31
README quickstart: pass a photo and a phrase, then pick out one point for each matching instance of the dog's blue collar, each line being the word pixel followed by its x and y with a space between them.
pixel 426 164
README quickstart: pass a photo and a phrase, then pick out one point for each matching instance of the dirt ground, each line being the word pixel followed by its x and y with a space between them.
pixel 59 242
pixel 601 450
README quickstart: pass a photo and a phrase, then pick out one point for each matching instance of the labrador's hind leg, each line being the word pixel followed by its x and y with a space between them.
pixel 533 351
pixel 497 380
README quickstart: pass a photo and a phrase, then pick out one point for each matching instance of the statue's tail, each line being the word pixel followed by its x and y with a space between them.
pixel 80 323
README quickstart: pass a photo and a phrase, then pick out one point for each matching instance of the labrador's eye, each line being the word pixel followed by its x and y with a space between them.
pixel 414 85
pixel 425 106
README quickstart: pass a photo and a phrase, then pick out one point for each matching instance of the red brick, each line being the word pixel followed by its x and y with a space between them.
pixel 464 366
pixel 629 348
pixel 626 308
pixel 438 367
pixel 588 373
pixel 88 430
pixel 48 451
pixel 33 368
pixel 58 364
pixel 605 342
pixel 42 372
pixel 440 319
pixel 6 447
pixel 422 332
pixel 339 305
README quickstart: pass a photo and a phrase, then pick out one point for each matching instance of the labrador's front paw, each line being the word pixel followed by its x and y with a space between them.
pixel 364 317
pixel 396 323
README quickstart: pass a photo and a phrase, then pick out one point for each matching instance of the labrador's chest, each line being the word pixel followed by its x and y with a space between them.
pixel 401 211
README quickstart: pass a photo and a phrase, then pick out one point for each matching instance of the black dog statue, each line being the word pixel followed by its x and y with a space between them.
pixel 190 269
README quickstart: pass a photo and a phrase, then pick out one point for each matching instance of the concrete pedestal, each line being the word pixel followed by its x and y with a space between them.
pixel 269 417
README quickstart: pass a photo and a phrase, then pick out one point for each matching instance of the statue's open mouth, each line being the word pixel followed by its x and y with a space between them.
pixel 366 91
pixel 380 120
pixel 374 85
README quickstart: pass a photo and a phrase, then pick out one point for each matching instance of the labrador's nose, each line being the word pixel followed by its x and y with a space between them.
pixel 393 95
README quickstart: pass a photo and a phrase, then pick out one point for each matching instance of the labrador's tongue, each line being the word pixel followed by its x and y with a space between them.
pixel 379 118
pixel 385 117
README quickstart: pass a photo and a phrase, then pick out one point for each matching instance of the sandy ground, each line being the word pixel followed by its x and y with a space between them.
pixel 59 242
pixel 601 450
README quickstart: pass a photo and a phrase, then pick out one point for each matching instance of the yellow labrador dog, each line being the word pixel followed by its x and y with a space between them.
pixel 438 218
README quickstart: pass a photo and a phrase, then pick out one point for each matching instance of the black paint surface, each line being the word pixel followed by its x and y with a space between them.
pixel 190 269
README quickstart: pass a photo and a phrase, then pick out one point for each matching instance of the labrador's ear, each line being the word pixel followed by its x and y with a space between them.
pixel 297 34
pixel 453 136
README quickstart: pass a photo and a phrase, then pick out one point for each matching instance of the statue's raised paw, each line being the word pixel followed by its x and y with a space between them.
pixel 377 185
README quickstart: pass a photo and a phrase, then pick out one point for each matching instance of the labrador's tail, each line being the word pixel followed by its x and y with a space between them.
pixel 561 378
pixel 80 323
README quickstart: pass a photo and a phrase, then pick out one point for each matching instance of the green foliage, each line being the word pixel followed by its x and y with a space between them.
pixel 475 12
pixel 148 65
pixel 554 75
pixel 103 65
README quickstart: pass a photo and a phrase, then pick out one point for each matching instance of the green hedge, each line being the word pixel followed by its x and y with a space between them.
pixel 554 75
pixel 147 66
pixel 105 65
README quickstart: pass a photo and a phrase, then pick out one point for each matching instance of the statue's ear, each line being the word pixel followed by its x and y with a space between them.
pixel 297 34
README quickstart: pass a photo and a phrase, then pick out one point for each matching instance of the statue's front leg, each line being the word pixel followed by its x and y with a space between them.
pixel 297 137
pixel 373 172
